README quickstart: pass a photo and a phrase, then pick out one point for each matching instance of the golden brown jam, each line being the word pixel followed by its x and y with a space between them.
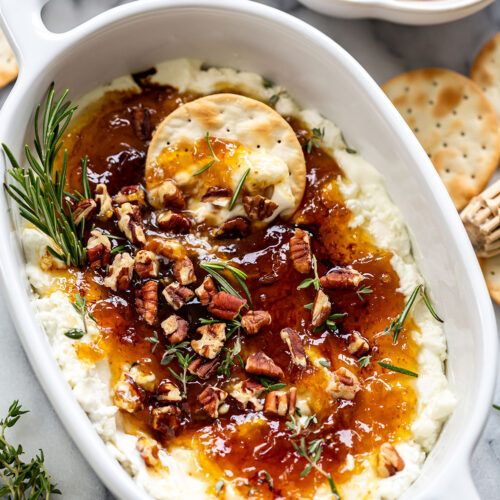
pixel 242 444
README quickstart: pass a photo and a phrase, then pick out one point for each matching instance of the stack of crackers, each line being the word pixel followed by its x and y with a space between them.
pixel 457 121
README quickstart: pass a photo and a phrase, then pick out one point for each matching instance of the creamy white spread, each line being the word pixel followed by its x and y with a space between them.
pixel 366 197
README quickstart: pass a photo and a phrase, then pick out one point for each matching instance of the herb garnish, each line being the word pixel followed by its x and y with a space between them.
pixel 228 361
pixel 315 141
pixel 296 425
pixel 362 291
pixel 273 100
pixel 324 362
pixel 268 479
pixel 19 479
pixel 270 386
pixel 398 369
pixel 171 353
pixel 39 189
pixel 311 281
pixel 212 161
pixel 266 83
pixel 74 333
pixel 497 407
pixel 331 322
pixel 80 306
pixel 219 485
pixel 364 361
pixel 351 151
pixel 238 189
pixel 183 377
pixel 154 341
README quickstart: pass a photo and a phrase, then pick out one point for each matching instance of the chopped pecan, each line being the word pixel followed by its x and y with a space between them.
pixel 212 340
pixel 217 194
pixel 281 402
pixel 248 392
pixel 146 301
pixel 166 248
pixel 295 346
pixel 300 251
pixel 120 272
pixel 171 221
pixel 98 249
pixel 253 321
pixel 206 291
pixel 203 369
pixel 167 195
pixel 234 228
pixel 184 271
pixel 321 309
pixel 146 264
pixel 130 222
pixel 130 194
pixel 149 450
pixel 226 306
pixel 389 461
pixel 143 376
pixel 258 208
pixel 103 201
pixel 212 399
pixel 343 384
pixel 358 345
pixel 175 329
pixel 84 210
pixel 127 395
pixel 260 364
pixel 341 277
pixel 165 419
pixel 168 392
pixel 177 295
pixel 141 121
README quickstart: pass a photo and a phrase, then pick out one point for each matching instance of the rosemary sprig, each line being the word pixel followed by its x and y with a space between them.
pixel 212 161
pixel 183 377
pixel 315 141
pixel 80 306
pixel 238 189
pixel 21 480
pixel 398 369
pixel 362 291
pixel 364 361
pixel 205 167
pixel 39 189
pixel 311 281
pixel 270 386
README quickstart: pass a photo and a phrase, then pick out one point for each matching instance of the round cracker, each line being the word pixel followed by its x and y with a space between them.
pixel 252 123
pixel 455 123
pixel 8 63
pixel 491 271
pixel 485 71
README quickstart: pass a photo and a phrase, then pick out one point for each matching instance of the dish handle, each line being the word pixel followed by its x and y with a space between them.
pixel 31 41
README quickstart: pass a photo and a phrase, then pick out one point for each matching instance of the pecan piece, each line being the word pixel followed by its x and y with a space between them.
pixel 212 340
pixel 143 376
pixel 103 201
pixel 226 306
pixel 169 249
pixel 234 228
pixel 175 329
pixel 177 295
pixel 184 271
pixel 253 321
pixel 171 221
pixel 300 251
pixel 217 195
pixel 341 277
pixel 146 264
pixel 165 419
pixel 212 399
pixel 167 195
pixel 149 450
pixel 98 249
pixel 295 346
pixel 343 384
pixel 84 210
pixel 168 392
pixel 120 272
pixel 141 121
pixel 248 392
pixel 203 369
pixel 130 194
pixel 206 291
pixel 358 346
pixel 261 364
pixel 130 222
pixel 281 402
pixel 321 309
pixel 258 208
pixel 146 301
pixel 127 395
pixel 389 461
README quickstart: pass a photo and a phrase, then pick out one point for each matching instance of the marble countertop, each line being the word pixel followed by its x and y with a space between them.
pixel 384 49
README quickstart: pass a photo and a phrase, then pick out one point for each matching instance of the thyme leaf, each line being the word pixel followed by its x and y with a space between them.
pixel 228 361
pixel 270 386
pixel 315 140
pixel 171 353
pixel 362 291
pixel 183 377
pixel 74 333
pixel 311 281
pixel 364 361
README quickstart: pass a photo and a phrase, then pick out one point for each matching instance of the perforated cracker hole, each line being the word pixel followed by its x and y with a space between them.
pixel 409 110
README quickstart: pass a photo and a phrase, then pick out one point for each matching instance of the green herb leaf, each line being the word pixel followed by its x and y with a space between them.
pixel 497 407
pixel 351 151
pixel 219 485
pixel 309 306
pixel 364 290
pixel 228 361
pixel 267 84
pixel 325 363
pixel 205 167
pixel 270 385
pixel 364 361
pixel 398 369
pixel 273 100
pixel 213 269
pixel 209 144
pixel 315 140
pixel 429 305
pixel 154 341
pixel 74 333
pixel 268 479
pixel 397 324
pixel 118 249
pixel 238 189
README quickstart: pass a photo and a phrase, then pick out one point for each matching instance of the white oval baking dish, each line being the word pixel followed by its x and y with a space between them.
pixel 400 11
pixel 321 75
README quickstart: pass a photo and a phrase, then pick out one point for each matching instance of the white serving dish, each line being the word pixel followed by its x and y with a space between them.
pixel 400 11
pixel 321 75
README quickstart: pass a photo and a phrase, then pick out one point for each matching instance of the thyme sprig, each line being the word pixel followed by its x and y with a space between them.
pixel 238 189
pixel 228 362
pixel 296 423
pixel 21 480
pixel 331 322
pixel 398 369
pixel 153 340
pixel 311 281
pixel 362 291
pixel 315 140
pixel 39 188
pixel 270 385
pixel 364 361
pixel 80 306
pixel 183 376
pixel 171 353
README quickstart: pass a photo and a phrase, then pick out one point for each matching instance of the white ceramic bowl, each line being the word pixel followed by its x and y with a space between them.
pixel 400 11
pixel 321 75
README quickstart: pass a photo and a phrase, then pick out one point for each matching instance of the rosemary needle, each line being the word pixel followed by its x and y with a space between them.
pixel 238 189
